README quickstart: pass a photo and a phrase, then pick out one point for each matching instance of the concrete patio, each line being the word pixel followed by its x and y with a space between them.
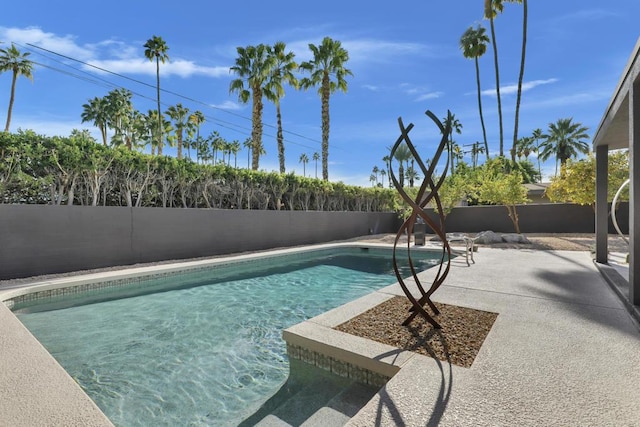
pixel 563 351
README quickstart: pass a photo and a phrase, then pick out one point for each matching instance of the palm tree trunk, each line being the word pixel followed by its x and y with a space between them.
pixel 280 138
pixel 11 98
pixel 160 144
pixel 103 132
pixel 325 127
pixel 522 58
pixel 484 131
pixel 256 132
pixel 495 62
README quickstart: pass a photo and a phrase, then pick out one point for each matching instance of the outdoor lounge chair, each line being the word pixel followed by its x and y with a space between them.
pixel 469 244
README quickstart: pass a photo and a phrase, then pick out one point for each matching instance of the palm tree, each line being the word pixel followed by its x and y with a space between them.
pixel 119 116
pixel 96 110
pixel 537 135
pixel 455 125
pixel 180 117
pixel 197 119
pixel 13 60
pixel 156 50
pixel 383 173
pixel 475 150
pixel 328 60
pixel 564 141
pixel 387 165
pixel 304 159
pixel 491 10
pixel 474 44
pixel 316 157
pixel 281 72
pixel 235 149
pixel 411 175
pixel 402 155
pixel 248 143
pixel 524 147
pixel 253 66
pixel 375 171
pixel 521 75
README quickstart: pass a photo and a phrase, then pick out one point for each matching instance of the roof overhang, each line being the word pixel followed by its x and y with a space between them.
pixel 614 126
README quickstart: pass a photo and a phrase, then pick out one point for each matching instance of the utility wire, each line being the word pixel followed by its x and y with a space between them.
pixel 214 120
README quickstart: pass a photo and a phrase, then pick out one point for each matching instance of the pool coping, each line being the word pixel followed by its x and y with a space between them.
pixel 55 396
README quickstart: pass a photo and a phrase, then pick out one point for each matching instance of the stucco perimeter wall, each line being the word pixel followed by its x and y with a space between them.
pixel 533 218
pixel 42 239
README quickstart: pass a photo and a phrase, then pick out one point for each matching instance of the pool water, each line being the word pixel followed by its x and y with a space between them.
pixel 208 352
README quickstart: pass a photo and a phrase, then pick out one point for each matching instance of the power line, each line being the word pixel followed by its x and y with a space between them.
pixel 214 120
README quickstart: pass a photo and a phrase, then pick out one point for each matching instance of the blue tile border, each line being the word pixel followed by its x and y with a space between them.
pixel 335 366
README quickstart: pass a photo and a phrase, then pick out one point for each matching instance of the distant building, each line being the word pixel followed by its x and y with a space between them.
pixel 536 192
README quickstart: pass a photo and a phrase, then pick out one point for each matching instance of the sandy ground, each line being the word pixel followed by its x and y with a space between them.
pixel 539 241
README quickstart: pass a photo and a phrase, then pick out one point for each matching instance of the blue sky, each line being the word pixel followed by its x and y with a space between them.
pixel 405 59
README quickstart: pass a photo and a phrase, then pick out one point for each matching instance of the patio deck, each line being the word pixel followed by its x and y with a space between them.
pixel 563 351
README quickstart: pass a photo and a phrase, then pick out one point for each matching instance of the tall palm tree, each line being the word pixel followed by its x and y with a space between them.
pixel 248 144
pixel 11 59
pixel 521 75
pixel 537 135
pixel 316 157
pixel 156 50
pixel 119 116
pixel 455 126
pixel 475 150
pixel 96 110
pixel 235 149
pixel 474 44
pixel 180 117
pixel 524 147
pixel 197 119
pixel 387 164
pixel 329 59
pixel 491 10
pixel 253 66
pixel 402 155
pixel 304 159
pixel 564 140
pixel 281 72
pixel 383 173
pixel 375 171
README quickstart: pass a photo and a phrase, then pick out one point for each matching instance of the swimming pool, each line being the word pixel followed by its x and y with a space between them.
pixel 200 347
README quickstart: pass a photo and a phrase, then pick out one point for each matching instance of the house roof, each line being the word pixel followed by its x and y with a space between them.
pixel 537 188
pixel 614 126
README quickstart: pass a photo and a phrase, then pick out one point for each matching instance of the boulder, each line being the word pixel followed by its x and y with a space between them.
pixel 515 238
pixel 488 237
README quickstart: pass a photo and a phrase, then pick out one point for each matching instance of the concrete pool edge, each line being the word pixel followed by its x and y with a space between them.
pixel 35 387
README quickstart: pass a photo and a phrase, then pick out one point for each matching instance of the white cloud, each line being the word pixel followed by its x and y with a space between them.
pixel 65 45
pixel 363 50
pixel 372 88
pixel 178 67
pixel 113 55
pixel 513 88
pixel 430 95
pixel 572 99
pixel 227 105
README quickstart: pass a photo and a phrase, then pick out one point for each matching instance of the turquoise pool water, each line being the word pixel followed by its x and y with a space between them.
pixel 202 348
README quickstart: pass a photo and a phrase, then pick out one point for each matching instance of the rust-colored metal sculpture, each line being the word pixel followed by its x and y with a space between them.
pixel 428 192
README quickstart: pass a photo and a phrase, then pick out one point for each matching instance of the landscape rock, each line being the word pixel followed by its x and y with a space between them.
pixel 515 238
pixel 488 237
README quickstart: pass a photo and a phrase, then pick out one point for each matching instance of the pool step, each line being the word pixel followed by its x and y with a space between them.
pixel 312 397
